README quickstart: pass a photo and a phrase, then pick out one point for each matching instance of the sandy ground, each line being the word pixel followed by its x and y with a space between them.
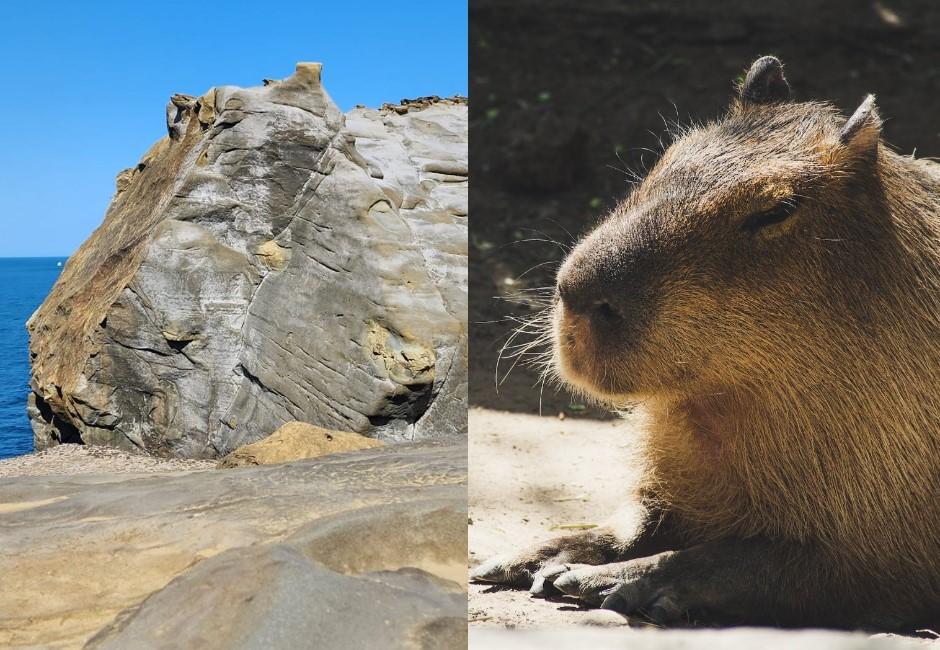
pixel 530 477
pixel 82 459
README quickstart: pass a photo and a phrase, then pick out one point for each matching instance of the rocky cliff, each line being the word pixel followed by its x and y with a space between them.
pixel 270 260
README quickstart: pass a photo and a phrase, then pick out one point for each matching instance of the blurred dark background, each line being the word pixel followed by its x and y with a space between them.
pixel 567 95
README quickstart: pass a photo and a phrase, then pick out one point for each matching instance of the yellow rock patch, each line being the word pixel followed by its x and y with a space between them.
pixel 295 441
pixel 273 255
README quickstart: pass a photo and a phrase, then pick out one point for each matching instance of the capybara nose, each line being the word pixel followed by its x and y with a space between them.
pixel 587 297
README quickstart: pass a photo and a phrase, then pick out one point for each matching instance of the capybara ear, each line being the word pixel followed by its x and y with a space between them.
pixel 764 83
pixel 862 131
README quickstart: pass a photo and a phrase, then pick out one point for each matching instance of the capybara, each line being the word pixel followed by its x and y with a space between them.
pixel 768 297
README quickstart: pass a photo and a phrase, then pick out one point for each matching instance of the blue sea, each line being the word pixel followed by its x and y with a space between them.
pixel 24 284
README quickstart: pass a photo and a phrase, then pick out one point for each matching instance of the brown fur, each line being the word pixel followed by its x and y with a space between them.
pixel 791 375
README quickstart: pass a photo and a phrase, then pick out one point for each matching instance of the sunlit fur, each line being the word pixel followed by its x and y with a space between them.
pixel 790 377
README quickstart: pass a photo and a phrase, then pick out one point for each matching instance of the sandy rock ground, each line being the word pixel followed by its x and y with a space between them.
pixel 536 477
pixel 269 556
pixel 87 459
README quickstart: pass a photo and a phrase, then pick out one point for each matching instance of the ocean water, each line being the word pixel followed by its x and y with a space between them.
pixel 24 283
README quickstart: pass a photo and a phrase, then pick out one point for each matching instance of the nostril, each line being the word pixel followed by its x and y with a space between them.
pixel 604 311
pixel 581 302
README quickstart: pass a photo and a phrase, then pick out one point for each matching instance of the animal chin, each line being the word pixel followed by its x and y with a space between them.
pixel 586 364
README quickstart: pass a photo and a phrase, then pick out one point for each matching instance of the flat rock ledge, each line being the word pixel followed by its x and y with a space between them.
pixel 359 549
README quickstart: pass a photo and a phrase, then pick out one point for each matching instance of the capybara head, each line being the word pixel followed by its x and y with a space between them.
pixel 752 241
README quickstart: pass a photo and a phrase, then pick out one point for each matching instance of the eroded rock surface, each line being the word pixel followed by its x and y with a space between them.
pixel 270 260
pixel 362 549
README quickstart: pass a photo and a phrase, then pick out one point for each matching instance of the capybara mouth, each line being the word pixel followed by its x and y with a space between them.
pixel 586 357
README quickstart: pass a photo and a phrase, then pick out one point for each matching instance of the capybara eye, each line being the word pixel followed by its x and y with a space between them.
pixel 780 212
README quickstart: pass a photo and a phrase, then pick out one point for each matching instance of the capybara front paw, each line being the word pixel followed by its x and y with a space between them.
pixel 641 597
pixel 536 568
pixel 523 572
pixel 644 587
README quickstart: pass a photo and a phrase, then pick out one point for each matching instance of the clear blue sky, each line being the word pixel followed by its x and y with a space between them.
pixel 85 84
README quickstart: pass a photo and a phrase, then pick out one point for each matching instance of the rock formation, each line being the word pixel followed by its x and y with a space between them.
pixel 270 260
pixel 365 549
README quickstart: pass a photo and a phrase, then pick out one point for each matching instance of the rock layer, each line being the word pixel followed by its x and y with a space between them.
pixel 363 549
pixel 270 260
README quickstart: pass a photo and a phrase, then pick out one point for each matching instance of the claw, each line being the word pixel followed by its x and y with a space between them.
pixel 544 579
pixel 568 584
pixel 538 585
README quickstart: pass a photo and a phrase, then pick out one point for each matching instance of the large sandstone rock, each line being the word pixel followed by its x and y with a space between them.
pixel 270 260
pixel 358 550
pixel 296 441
